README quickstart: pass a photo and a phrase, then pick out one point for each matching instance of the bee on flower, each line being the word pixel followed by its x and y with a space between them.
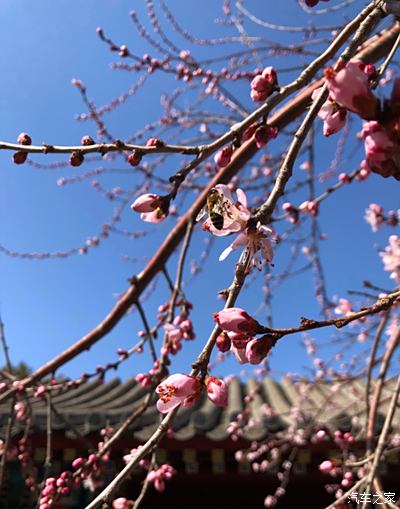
pixel 227 216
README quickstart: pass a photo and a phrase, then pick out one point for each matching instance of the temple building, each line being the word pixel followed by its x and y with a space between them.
pixel 202 448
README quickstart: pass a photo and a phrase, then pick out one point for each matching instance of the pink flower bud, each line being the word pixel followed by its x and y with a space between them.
pixel 20 157
pixel 320 435
pixel 122 503
pixel 123 51
pixel 40 391
pixel 87 140
pixel 78 462
pixel 263 85
pixel 146 203
pixel 258 349
pixel 259 84
pixel 288 207
pixel 184 54
pixel 343 178
pixel 76 158
pixel 326 466
pixel 154 142
pixel 134 158
pixel 269 74
pixel 24 139
pixel 258 97
pixel 223 342
pixel 236 320
pixel 265 133
pixel 248 133
pixel 217 390
pixel 223 157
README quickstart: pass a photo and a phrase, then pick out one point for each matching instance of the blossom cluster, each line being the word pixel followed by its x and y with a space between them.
pixel 238 331
pixel 350 89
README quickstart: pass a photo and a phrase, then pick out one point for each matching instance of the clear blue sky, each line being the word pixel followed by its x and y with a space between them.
pixel 47 305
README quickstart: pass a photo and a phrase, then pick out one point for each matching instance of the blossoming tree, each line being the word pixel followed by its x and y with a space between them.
pixel 245 140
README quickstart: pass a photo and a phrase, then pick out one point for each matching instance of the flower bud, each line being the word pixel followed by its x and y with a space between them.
pixel 258 349
pixel 154 142
pixel 146 203
pixel 264 133
pixel 134 158
pixel 223 157
pixel 76 158
pixel 217 390
pixel 236 320
pixel 223 342
pixel 326 466
pixel 20 157
pixel 87 140
pixel 24 139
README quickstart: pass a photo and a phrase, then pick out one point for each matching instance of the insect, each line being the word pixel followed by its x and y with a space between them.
pixel 215 208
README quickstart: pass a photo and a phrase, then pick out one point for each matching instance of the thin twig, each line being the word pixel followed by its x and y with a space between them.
pixel 149 334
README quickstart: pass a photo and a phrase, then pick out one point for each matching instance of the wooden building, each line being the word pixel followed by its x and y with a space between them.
pixel 201 450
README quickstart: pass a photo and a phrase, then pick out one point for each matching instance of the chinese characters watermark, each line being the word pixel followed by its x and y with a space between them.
pixel 374 498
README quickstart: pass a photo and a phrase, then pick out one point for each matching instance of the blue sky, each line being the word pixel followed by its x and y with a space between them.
pixel 47 305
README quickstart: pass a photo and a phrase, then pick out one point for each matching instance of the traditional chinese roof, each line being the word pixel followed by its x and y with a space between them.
pixel 272 407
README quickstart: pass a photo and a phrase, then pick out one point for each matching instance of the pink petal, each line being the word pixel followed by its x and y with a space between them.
pixel 169 405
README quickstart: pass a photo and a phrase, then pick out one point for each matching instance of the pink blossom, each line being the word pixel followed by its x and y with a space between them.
pixel 378 145
pixel 321 435
pixel 331 113
pixel 391 257
pixel 309 206
pixel 259 83
pixel 40 391
pixel 381 150
pixel 240 353
pixel 263 84
pixel 344 178
pixel 344 307
pixel 184 54
pixel 350 88
pixel 264 134
pixel 257 242
pixel 270 501
pixel 236 214
pixel 326 466
pixel 178 389
pixel 223 157
pixel 217 390
pixel 223 342
pixel 258 349
pixel 154 217
pixel 236 320
pixel 146 203
pixel 20 411
pixel 374 216
pixel 175 334
pixel 122 503
pixel 239 342
pixel 159 476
